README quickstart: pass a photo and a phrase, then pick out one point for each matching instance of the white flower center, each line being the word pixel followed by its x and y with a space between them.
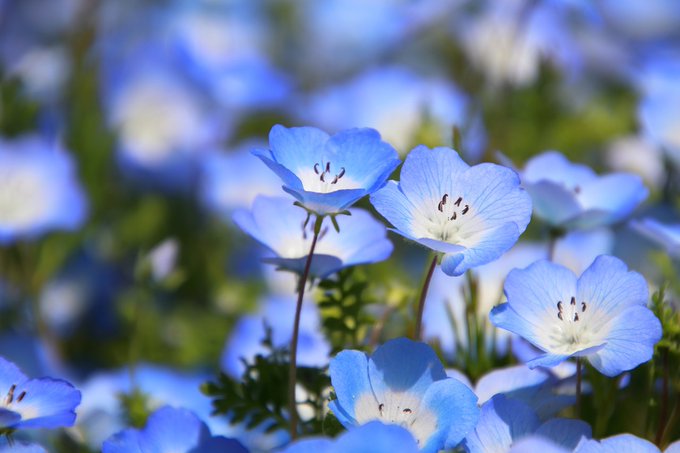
pixel 14 401
pixel 324 177
pixel 399 408
pixel 23 199
pixel 572 330
pixel 444 223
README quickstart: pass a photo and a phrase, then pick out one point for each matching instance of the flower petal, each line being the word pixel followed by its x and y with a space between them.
pixel 327 203
pixel 533 443
pixel 48 403
pixel 350 379
pixel 623 443
pixel 618 194
pixel 394 206
pixel 553 203
pixel 297 148
pixel 376 437
pixel 547 360
pixel 565 432
pixel 553 166
pixel 173 429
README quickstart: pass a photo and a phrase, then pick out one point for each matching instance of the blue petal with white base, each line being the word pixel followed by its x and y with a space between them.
pixel 327 174
pixel 622 443
pixel 35 403
pixel 601 316
pixel 472 215
pixel 281 226
pixel 403 383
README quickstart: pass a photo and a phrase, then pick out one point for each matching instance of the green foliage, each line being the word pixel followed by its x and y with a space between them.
pixel 343 319
pixel 670 322
pixel 135 407
pixel 259 397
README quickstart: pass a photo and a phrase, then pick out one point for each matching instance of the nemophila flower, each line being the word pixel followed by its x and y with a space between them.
pixel 601 315
pixel 373 437
pixel 20 447
pixel 283 228
pixel 39 190
pixel 503 422
pixel 401 104
pixel 403 383
pixel 170 430
pixel 472 215
pixel 619 444
pixel 327 174
pixel 666 235
pixel 34 403
pixel 276 313
pixel 567 195
pixel 534 443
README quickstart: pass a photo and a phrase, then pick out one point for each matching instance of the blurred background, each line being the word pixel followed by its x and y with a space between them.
pixel 126 126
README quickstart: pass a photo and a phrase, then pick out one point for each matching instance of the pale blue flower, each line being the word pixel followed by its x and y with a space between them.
pixel 622 443
pixel 472 215
pixel 403 383
pixel 372 437
pixel 35 403
pixel 504 421
pixel 282 228
pixel 665 235
pixel 327 174
pixel 567 195
pixel 20 447
pixel 602 315
pixel 170 430
pixel 39 190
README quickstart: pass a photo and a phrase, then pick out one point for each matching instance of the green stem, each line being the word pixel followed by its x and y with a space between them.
pixel 292 368
pixel 579 378
pixel 423 296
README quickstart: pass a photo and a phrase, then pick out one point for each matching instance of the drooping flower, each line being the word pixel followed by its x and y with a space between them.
pixel 373 437
pixel 327 174
pixel 666 235
pixel 35 403
pixel 618 444
pixel 470 214
pixel 504 421
pixel 282 228
pixel 403 383
pixel 602 315
pixel 170 430
pixel 567 195
pixel 39 190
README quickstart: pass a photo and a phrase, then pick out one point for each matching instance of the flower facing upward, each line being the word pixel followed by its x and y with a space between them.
pixel 568 195
pixel 471 214
pixel 403 383
pixel 602 315
pixel 328 174
pixel 34 403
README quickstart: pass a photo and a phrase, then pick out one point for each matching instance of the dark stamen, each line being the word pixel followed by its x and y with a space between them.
pixel 444 198
pixel 573 300
pixel 465 209
pixel 316 168
pixel 457 203
pixel 328 167
pixel 559 315
pixel 559 305
pixel 381 406
pixel 575 317
pixel 335 180
pixel 21 396
pixel 453 217
pixel 10 394
pixel 583 306
pixel 342 172
pixel 322 177
pixel 407 411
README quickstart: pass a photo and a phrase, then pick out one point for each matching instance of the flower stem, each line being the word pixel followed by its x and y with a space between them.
pixel 423 296
pixel 292 368
pixel 579 378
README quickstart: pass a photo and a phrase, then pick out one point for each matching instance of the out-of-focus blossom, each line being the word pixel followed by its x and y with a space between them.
pixel 282 228
pixel 659 114
pixel 601 316
pixel 20 447
pixel 401 105
pixel 39 190
pixel 171 430
pixel 618 444
pixel 505 421
pixel 508 40
pixel 372 437
pixel 403 383
pixel 637 155
pixel 327 174
pixel 277 314
pixel 648 20
pixel 232 180
pixel 35 403
pixel 534 443
pixel 667 236
pixel 472 215
pixel 567 195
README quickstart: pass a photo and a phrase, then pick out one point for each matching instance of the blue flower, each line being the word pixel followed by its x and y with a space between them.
pixel 328 174
pixel 373 437
pixel 403 383
pixel 602 315
pixel 35 403
pixel 39 191
pixel 470 214
pixel 14 447
pixel 277 314
pixel 619 443
pixel 505 421
pixel 567 195
pixel 281 227
pixel 170 430
pixel 667 236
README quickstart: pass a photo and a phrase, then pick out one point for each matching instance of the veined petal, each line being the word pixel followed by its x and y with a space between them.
pixel 393 205
pixel 623 443
pixel 631 337
pixel 402 365
pixel 350 379
pixel 10 375
pixel 565 432
pixel 288 177
pixel 329 202
pixel 297 148
pixel 375 437
pixel 534 443
pixel 505 317
pixel 48 403
pixel 547 360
